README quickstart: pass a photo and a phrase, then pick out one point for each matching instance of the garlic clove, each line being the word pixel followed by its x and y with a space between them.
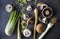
pixel 9 7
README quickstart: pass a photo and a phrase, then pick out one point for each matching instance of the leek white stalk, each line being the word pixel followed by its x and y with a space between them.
pixel 11 23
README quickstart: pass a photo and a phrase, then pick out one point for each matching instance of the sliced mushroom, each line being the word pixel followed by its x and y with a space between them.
pixel 30 21
pixel 9 7
pixel 27 33
pixel 47 12
pixel 41 5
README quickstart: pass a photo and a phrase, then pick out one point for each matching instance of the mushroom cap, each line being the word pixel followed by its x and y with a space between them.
pixel 9 7
pixel 40 28
pixel 47 12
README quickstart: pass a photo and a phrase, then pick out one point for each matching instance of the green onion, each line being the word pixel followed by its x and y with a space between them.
pixel 11 23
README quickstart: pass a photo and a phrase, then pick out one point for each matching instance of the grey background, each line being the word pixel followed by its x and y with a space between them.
pixel 54 32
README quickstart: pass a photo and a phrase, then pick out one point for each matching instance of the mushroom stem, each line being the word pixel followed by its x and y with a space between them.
pixel 50 25
pixel 18 30
pixel 36 14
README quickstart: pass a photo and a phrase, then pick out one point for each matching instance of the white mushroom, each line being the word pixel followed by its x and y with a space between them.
pixel 9 7
pixel 27 33
pixel 29 8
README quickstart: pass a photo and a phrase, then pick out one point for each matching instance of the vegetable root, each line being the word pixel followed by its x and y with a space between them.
pixel 18 30
pixel 36 14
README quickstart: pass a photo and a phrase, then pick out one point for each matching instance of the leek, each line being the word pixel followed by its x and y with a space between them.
pixel 11 23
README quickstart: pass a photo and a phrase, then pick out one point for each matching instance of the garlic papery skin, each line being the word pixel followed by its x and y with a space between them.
pixel 50 25
pixel 9 7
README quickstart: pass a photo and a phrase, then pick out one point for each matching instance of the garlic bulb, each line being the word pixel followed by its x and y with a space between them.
pixel 29 8
pixel 27 33
pixel 9 7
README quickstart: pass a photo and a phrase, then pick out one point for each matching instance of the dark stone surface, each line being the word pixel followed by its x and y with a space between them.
pixel 54 32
